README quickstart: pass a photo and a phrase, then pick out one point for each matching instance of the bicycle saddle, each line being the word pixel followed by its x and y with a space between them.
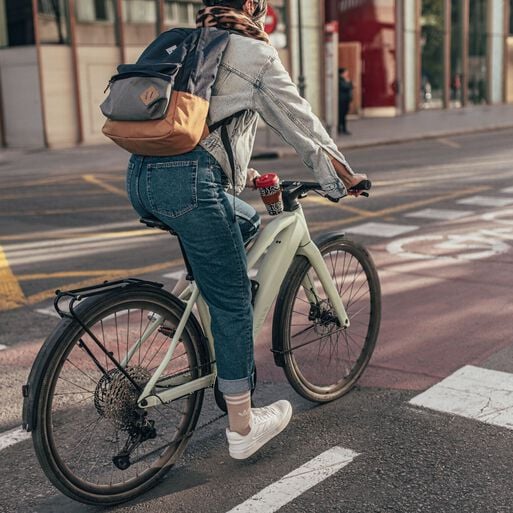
pixel 153 222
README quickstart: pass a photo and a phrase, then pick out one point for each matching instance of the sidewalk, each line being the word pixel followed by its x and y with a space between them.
pixel 366 132
pixel 410 127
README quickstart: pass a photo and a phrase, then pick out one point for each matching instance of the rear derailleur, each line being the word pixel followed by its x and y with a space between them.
pixel 138 432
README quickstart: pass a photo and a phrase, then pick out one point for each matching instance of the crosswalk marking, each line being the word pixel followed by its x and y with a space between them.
pixel 2 347
pixel 381 229
pixel 440 214
pixel 475 393
pixel 13 437
pixel 486 201
pixel 276 495
pixel 507 190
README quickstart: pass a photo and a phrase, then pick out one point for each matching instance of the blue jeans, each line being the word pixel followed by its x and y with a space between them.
pixel 186 192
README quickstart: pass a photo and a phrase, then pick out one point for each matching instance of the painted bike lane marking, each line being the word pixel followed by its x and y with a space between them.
pixel 297 482
pixel 475 393
pixel 453 248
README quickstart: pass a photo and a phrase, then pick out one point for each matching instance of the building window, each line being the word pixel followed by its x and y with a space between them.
pixel 140 11
pixel 53 18
pixel 477 90
pixel 456 83
pixel 181 13
pixel 511 17
pixel 95 10
pixel 432 45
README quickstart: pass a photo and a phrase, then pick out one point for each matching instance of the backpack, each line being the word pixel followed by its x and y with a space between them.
pixel 159 105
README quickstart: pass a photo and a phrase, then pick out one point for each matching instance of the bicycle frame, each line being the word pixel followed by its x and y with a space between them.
pixel 278 244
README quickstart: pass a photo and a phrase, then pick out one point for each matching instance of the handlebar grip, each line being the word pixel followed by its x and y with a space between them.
pixel 364 185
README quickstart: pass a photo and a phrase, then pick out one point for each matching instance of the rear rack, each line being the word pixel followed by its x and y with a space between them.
pixel 94 290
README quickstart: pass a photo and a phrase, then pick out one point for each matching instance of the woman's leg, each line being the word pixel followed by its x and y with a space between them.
pixel 186 193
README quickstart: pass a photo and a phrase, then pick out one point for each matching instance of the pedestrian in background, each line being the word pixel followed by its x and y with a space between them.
pixel 345 97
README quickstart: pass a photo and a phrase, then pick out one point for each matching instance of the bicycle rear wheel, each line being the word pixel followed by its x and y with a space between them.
pixel 321 359
pixel 92 440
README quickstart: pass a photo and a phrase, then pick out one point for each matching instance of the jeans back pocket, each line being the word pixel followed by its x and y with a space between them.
pixel 172 187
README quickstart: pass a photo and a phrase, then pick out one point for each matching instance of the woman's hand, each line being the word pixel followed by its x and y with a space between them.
pixel 349 178
pixel 253 174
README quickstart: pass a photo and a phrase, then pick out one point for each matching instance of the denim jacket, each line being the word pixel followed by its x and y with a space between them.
pixel 251 78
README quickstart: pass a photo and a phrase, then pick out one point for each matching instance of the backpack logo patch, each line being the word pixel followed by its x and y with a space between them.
pixel 149 95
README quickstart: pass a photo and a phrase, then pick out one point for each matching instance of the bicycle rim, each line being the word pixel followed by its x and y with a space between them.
pixel 90 417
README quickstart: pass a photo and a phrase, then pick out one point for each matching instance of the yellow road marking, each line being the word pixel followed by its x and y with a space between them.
pixel 104 185
pixel 64 274
pixel 399 208
pixel 46 194
pixel 448 142
pixel 109 275
pixel 59 180
pixel 11 295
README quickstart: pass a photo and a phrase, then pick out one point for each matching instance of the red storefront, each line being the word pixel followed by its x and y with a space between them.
pixel 367 36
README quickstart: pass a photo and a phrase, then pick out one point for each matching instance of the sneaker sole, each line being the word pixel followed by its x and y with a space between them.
pixel 249 451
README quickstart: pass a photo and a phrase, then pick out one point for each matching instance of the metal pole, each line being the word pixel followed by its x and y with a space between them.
pixel 447 55
pixel 37 38
pixel 301 78
pixel 120 27
pixel 465 14
pixel 161 15
pixel 75 70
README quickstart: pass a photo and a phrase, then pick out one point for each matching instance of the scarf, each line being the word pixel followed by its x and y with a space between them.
pixel 227 18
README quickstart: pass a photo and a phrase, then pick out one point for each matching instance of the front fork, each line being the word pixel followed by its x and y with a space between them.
pixel 311 251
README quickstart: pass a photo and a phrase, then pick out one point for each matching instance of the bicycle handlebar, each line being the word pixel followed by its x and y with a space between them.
pixel 301 187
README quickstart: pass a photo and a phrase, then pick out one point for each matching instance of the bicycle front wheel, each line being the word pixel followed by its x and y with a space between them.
pixel 92 440
pixel 321 359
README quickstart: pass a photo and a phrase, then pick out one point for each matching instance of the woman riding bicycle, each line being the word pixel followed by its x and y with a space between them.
pixel 188 193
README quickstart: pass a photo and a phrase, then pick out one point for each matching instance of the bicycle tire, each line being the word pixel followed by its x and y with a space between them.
pixel 321 385
pixel 53 453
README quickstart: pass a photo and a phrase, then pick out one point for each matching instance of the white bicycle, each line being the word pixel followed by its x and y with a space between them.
pixel 115 393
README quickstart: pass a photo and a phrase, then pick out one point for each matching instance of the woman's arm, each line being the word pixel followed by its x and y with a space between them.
pixel 277 100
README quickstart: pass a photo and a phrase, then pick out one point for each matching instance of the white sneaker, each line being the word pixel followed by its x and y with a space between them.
pixel 265 424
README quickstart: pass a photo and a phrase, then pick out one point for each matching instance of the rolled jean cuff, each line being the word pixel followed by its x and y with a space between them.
pixel 235 386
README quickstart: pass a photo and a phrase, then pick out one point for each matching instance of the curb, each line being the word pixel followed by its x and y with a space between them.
pixel 285 152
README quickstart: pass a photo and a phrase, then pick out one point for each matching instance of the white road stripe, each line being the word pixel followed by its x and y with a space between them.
pixel 386 230
pixel 507 190
pixel 174 275
pixel 440 214
pixel 13 437
pixel 63 254
pixel 50 312
pixel 43 235
pixel 475 393
pixel 276 495
pixel 105 237
pixel 2 347
pixel 486 201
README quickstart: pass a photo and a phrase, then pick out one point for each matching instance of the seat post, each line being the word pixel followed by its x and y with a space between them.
pixel 190 276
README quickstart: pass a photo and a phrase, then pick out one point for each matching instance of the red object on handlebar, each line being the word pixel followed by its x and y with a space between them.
pixel 267 180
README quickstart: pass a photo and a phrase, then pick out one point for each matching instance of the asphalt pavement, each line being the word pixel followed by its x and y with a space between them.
pixel 427 429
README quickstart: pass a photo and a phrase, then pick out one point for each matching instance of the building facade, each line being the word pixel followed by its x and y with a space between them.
pixel 409 55
pixel 57 56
